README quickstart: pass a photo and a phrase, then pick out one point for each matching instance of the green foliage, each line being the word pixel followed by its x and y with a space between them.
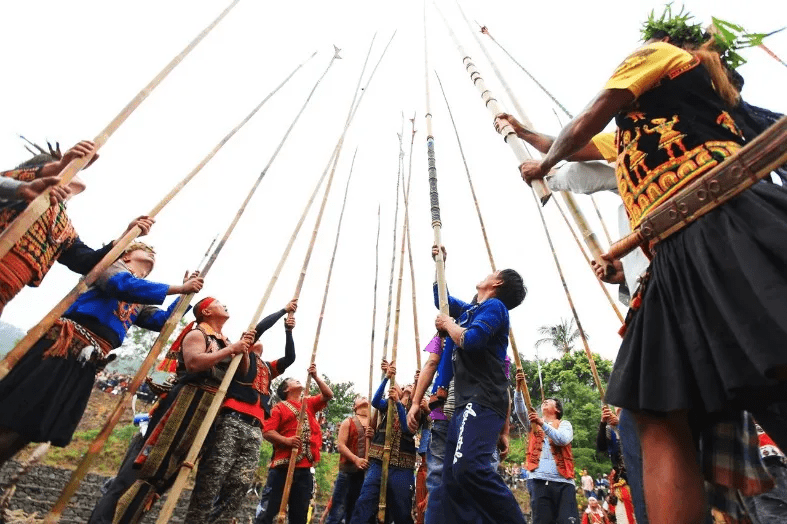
pixel 560 336
pixel 731 37
pixel 570 380
pixel 341 406
pixel 325 473
pixel 676 25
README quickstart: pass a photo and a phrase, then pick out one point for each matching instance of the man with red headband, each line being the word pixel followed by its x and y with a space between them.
pixel 227 469
pixel 201 355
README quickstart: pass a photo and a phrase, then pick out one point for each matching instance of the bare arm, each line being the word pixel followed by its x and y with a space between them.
pixel 195 355
pixel 325 390
pixel 276 438
pixel 543 142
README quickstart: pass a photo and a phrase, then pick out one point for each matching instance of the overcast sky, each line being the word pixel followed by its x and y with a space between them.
pixel 71 66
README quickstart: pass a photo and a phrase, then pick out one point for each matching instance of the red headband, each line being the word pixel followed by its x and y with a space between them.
pixel 201 306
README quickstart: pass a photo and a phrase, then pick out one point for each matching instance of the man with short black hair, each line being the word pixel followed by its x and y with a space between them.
pixel 475 348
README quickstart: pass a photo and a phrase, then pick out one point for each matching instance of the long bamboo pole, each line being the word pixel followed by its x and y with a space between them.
pixel 393 248
pixel 540 213
pixel 410 251
pixel 587 260
pixel 392 376
pixel 517 359
pixel 34 334
pixel 281 516
pixel 374 317
pixel 485 30
pixel 210 415
pixel 495 108
pixel 36 208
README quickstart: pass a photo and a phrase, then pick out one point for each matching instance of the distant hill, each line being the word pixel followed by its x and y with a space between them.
pixel 9 336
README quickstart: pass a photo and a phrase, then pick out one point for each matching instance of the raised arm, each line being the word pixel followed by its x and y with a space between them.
pixel 378 401
pixel 543 142
pixel 326 393
pixel 197 359
pixel 561 436
pixel 289 348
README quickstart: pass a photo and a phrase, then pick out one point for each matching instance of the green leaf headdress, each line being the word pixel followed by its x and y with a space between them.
pixel 728 37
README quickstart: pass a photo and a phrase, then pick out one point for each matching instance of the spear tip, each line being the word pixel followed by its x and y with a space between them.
pixel 336 51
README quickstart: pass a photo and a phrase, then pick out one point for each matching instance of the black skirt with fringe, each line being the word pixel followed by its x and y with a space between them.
pixel 711 333
pixel 43 399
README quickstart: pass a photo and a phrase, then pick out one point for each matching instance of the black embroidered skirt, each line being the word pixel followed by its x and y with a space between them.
pixel 711 333
pixel 43 399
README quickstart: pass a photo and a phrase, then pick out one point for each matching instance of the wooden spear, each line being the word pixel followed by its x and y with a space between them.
pixel 546 229
pixel 392 377
pixel 34 334
pixel 495 108
pixel 406 195
pixel 587 259
pixel 36 208
pixel 517 359
pixel 374 318
pixel 210 415
pixel 485 31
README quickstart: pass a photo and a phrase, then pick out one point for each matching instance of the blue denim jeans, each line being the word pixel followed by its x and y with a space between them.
pixel 300 495
pixel 399 495
pixel 632 455
pixel 346 491
pixel 434 467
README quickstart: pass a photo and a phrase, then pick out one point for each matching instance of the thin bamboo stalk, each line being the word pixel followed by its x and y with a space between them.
pixel 36 208
pixel 495 108
pixel 587 259
pixel 540 211
pixel 374 316
pixel 210 415
pixel 772 55
pixel 582 334
pixel 517 359
pixel 281 516
pixel 391 407
pixel 34 334
pixel 410 251
pixel 393 249
pixel 584 229
pixel 98 443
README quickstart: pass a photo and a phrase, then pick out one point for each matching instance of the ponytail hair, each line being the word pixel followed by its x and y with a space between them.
pixel 722 84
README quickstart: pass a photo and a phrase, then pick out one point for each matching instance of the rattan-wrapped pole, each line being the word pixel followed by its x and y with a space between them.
pixel 517 360
pixel 35 333
pixel 36 208
pixel 495 108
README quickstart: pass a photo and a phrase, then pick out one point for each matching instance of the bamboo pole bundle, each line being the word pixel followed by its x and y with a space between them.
pixel 36 208
pixel 495 108
pixel 35 333
pixel 393 248
pixel 213 410
pixel 410 251
pixel 374 316
pixel 392 376
pixel 517 360
pixel 587 259
pixel 541 215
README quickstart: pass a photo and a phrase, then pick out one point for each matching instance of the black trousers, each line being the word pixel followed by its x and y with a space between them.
pixel 553 502
pixel 300 495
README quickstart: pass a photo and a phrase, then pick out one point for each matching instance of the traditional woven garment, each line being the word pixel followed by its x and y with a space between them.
pixel 674 133
pixel 402 444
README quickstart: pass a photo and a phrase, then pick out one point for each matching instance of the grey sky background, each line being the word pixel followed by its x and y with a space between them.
pixel 71 66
